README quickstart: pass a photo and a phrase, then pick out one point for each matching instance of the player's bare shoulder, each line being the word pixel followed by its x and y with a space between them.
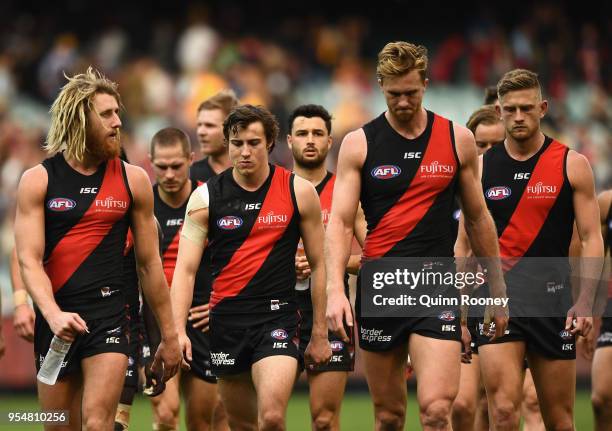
pixel 465 144
pixel 354 148
pixel 305 195
pixel 33 183
pixel 138 180
pixel 578 169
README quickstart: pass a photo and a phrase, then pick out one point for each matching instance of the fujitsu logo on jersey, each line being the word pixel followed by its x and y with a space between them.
pixel 386 172
pixel 229 222
pixel 437 168
pixel 61 204
pixel 542 191
pixel 110 204
pixel 272 218
pixel 498 192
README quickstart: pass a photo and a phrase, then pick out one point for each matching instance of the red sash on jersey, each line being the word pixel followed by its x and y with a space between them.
pixel 420 195
pixel 254 251
pixel 528 218
pixel 169 257
pixel 84 237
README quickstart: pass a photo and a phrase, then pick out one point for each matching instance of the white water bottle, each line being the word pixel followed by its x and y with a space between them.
pixel 50 368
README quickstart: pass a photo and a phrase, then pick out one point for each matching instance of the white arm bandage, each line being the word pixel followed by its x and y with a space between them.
pixel 193 230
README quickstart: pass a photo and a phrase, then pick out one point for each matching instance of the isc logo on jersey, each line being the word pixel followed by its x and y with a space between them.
pixel 498 193
pixel 386 172
pixel 61 204
pixel 229 222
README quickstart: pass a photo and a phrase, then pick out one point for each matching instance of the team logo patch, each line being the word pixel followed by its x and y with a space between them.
pixel 386 172
pixel 61 204
pixel 229 222
pixel 565 335
pixel 447 316
pixel 279 334
pixel 336 346
pixel 498 193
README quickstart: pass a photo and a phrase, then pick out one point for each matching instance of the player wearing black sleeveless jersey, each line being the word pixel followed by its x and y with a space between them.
pixel 601 375
pixel 309 141
pixel 171 158
pixel 209 129
pixel 405 167
pixel 253 216
pixel 73 213
pixel 535 188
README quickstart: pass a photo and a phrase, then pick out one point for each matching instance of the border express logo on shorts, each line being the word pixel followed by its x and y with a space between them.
pixel 229 222
pixel 498 193
pixel 279 334
pixel 386 172
pixel 61 204
pixel 336 346
pixel 447 316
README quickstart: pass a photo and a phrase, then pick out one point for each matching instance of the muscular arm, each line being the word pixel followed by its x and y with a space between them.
pixel 340 229
pixel 311 230
pixel 23 314
pixel 150 271
pixel 586 212
pixel 30 244
pixel 30 239
pixel 360 230
pixel 477 223
pixel 344 207
pixel 187 263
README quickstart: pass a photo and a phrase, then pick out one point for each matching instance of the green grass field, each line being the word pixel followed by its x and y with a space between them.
pixel 356 413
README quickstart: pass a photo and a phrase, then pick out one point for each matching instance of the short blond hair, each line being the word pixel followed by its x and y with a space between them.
pixel 224 100
pixel 518 79
pixel 399 58
pixel 68 130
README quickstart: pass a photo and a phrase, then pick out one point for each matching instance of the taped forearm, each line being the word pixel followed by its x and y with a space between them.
pixel 192 229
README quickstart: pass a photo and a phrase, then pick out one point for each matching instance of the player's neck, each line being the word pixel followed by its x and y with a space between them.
pixel 88 166
pixel 252 181
pixel 410 128
pixel 178 198
pixel 314 175
pixel 523 150
pixel 219 162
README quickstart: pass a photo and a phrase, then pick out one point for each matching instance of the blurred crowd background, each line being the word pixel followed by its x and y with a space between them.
pixel 168 58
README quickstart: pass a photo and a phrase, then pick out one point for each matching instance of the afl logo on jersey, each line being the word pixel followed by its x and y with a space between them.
pixel 336 346
pixel 498 193
pixel 279 334
pixel 386 172
pixel 229 222
pixel 61 204
pixel 447 316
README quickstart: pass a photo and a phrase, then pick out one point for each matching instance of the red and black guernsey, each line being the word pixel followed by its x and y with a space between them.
pixel 171 220
pixel 325 190
pixel 253 240
pixel 530 201
pixel 408 188
pixel 86 223
pixel 201 171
